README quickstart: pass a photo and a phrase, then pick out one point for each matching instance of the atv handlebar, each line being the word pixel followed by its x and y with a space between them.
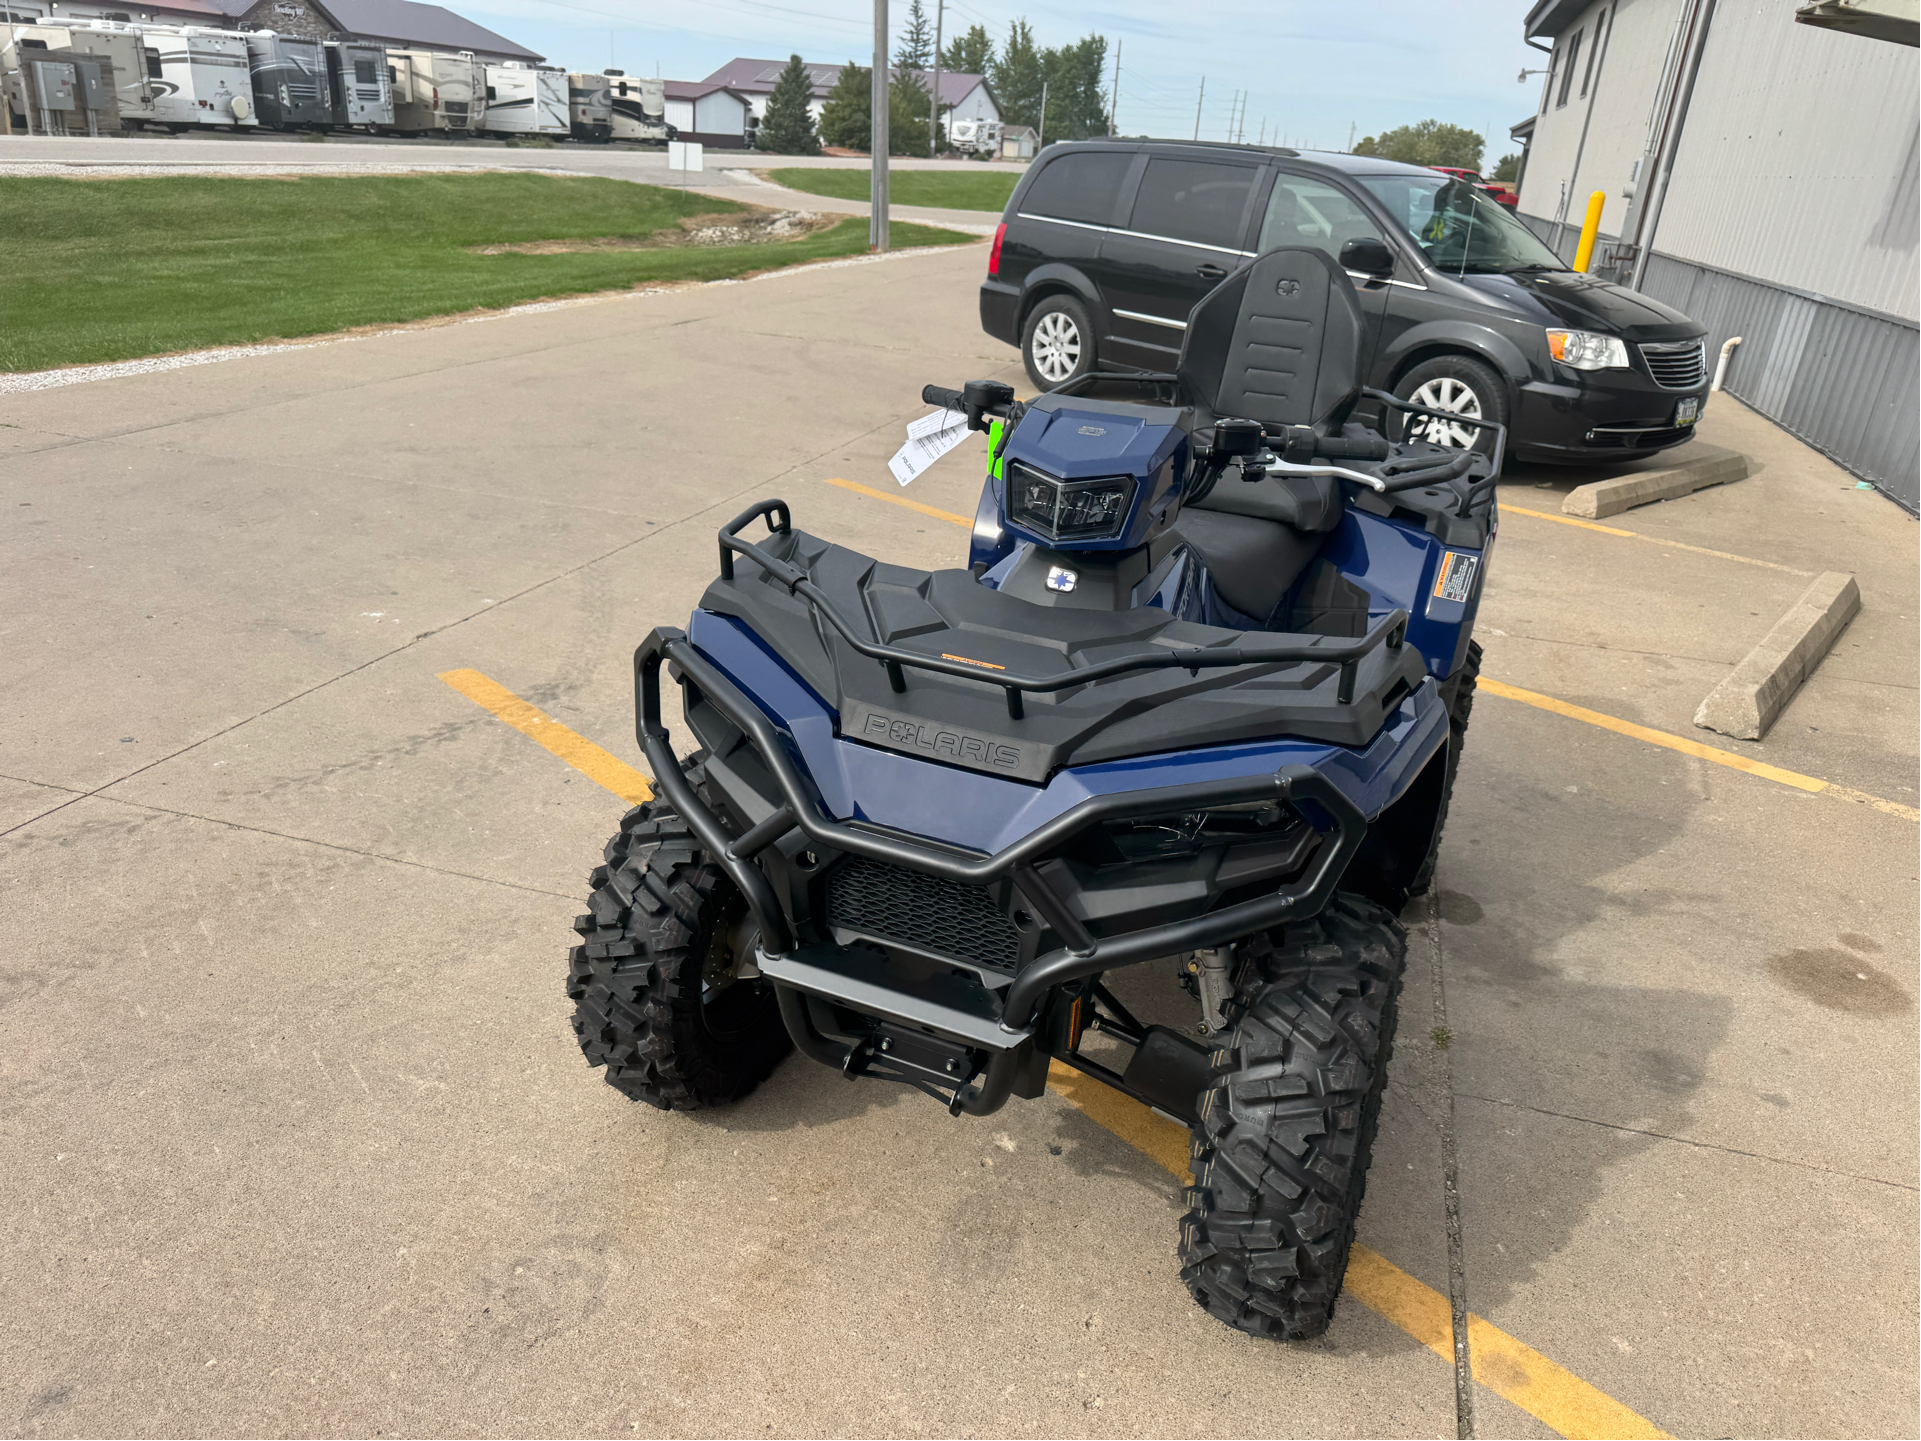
pixel 978 399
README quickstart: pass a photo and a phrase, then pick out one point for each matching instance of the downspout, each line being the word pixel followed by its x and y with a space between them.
pixel 1651 222
pixel 1593 94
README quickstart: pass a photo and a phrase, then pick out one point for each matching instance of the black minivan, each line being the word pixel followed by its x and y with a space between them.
pixel 1106 245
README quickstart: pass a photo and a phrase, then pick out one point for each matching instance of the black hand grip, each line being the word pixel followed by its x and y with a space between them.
pixel 943 397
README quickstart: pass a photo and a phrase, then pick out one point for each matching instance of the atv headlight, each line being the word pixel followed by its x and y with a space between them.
pixel 1149 838
pixel 1067 509
pixel 1584 350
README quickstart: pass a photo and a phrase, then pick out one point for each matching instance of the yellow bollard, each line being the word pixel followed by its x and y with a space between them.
pixel 1584 252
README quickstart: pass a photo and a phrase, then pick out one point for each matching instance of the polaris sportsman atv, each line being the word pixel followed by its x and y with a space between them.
pixel 1198 699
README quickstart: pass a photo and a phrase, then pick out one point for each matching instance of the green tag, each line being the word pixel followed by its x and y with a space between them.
pixel 996 437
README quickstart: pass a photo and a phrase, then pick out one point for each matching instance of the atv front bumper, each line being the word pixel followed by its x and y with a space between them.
pixel 966 1019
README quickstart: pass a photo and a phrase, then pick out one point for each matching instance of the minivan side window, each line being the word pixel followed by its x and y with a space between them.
pixel 1079 186
pixel 1313 213
pixel 1193 200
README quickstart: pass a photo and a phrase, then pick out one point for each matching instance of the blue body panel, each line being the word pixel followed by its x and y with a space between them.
pixel 986 814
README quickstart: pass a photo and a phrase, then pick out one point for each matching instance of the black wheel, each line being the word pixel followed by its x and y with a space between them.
pixel 658 995
pixel 1287 1128
pixel 1057 343
pixel 1459 693
pixel 1457 383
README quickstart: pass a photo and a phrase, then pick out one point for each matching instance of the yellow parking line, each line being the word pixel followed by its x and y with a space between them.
pixel 575 749
pixel 1507 509
pixel 1732 760
pixel 1513 1370
pixel 859 489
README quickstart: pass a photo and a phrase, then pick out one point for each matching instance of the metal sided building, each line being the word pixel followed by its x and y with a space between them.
pixel 1759 159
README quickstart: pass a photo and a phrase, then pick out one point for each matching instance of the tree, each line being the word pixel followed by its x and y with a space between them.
pixel 846 119
pixel 1428 143
pixel 788 126
pixel 1017 77
pixel 1076 103
pixel 916 48
pixel 907 108
pixel 969 54
pixel 1507 168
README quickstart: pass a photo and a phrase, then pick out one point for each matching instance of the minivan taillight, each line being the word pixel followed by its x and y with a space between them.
pixel 994 255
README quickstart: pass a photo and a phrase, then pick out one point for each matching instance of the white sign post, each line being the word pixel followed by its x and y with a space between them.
pixel 684 155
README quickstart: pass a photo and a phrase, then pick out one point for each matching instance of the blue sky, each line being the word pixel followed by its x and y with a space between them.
pixel 1309 70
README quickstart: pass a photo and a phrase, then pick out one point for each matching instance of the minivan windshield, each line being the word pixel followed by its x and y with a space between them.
pixel 1464 231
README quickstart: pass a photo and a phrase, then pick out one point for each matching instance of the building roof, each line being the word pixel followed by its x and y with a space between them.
pixel 697 90
pixel 410 22
pixel 1548 18
pixel 756 77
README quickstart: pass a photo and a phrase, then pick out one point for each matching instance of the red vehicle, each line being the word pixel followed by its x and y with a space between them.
pixel 1499 189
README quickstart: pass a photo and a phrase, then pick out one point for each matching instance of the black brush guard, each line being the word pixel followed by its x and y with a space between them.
pixel 798 972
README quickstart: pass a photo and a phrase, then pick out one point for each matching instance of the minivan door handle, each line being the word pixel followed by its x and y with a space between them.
pixel 1210 271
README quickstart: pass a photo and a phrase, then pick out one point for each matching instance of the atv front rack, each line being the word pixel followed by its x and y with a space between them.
pixel 813 969
pixel 1390 631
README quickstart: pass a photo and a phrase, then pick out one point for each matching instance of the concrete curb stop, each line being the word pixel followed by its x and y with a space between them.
pixel 1760 687
pixel 1706 465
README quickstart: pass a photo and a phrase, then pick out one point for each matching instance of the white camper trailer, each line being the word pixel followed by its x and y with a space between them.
pixel 640 110
pixel 590 106
pixel 436 93
pixel 978 138
pixel 136 69
pixel 526 100
pixel 357 77
pixel 204 78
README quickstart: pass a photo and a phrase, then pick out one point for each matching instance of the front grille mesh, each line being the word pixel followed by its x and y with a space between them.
pixel 928 912
pixel 1677 367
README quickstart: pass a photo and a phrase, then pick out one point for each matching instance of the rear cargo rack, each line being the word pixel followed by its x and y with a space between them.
pixel 1390 631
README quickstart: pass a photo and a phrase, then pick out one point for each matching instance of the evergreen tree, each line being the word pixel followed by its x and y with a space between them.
pixel 907 107
pixel 788 126
pixel 1428 143
pixel 969 54
pixel 1508 168
pixel 916 48
pixel 846 119
pixel 1017 77
pixel 1076 103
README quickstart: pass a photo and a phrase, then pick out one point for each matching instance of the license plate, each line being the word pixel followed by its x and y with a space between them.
pixel 1688 411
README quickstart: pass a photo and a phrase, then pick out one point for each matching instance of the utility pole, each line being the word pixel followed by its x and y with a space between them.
pixel 1350 137
pixel 933 123
pixel 877 188
pixel 1040 135
pixel 1114 100
pixel 1263 139
pixel 1197 108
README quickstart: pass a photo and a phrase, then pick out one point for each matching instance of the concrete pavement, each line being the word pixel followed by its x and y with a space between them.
pixel 299 1137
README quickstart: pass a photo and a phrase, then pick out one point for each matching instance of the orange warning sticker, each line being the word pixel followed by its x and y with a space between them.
pixel 1455 578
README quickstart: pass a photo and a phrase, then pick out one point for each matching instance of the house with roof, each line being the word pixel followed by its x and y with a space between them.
pixel 401 24
pixel 716 115
pixel 962 96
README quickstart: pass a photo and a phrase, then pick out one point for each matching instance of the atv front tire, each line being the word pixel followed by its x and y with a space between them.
pixel 658 995
pixel 1287 1128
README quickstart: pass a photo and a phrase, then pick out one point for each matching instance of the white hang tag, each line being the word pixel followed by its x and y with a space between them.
pixel 928 439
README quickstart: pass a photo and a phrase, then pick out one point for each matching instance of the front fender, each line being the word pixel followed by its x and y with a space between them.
pixel 1482 341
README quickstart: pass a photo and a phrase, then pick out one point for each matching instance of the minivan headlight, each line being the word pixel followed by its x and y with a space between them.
pixel 1584 350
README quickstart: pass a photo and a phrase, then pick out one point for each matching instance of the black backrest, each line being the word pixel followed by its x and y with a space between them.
pixel 1278 341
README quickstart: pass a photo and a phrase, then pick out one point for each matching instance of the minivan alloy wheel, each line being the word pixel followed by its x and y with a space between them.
pixel 1445 392
pixel 1056 346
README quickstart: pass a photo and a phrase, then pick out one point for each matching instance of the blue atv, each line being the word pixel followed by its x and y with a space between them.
pixel 1198 701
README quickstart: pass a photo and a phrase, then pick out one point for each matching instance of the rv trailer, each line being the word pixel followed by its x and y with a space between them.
pixel 640 110
pixel 136 69
pixel 357 79
pixel 590 106
pixel 203 78
pixel 289 75
pixel 526 100
pixel 436 93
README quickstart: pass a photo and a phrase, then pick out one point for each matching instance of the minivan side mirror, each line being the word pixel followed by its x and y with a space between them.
pixel 1369 256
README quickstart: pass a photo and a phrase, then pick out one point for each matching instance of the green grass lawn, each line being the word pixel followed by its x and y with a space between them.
pixel 980 189
pixel 103 270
